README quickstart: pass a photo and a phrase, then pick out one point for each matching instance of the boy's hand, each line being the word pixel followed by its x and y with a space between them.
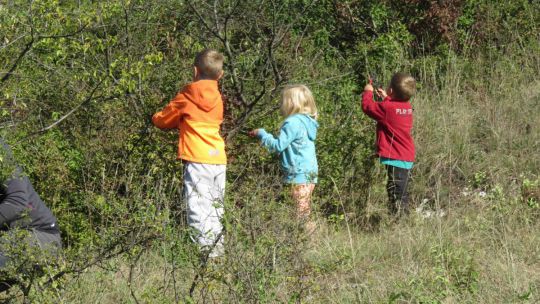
pixel 381 93
pixel 368 87
pixel 253 133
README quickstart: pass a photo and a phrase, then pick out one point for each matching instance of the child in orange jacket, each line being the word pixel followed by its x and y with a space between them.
pixel 197 113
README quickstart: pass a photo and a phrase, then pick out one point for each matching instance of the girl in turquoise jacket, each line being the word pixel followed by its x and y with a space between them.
pixel 296 145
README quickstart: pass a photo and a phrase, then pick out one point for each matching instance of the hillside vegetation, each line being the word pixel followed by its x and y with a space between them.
pixel 80 80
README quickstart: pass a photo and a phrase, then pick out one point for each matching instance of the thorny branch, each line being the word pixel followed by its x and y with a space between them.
pixel 275 35
pixel 114 249
pixel 84 102
pixel 223 38
pixel 131 270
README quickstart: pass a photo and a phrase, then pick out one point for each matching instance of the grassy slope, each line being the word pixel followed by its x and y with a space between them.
pixel 475 136
pixel 475 254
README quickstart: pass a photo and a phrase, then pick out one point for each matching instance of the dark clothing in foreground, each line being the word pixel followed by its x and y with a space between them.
pixel 22 208
pixel 398 197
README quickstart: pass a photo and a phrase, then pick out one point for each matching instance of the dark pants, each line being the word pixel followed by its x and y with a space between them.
pixel 398 197
pixel 48 243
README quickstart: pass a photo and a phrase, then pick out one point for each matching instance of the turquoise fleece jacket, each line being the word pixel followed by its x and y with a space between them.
pixel 296 147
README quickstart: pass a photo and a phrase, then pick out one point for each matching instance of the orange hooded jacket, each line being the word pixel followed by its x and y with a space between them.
pixel 197 113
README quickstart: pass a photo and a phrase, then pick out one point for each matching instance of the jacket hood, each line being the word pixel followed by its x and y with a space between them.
pixel 203 93
pixel 311 125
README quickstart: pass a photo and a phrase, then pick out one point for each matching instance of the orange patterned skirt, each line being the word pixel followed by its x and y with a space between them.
pixel 302 196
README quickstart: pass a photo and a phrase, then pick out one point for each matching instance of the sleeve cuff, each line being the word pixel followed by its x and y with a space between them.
pixel 261 133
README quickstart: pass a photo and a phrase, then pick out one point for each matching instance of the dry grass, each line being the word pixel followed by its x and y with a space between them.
pixel 476 254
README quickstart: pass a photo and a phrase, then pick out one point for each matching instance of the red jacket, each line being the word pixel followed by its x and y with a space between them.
pixel 394 124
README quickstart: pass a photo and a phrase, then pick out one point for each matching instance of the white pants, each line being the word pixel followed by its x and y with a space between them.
pixel 204 191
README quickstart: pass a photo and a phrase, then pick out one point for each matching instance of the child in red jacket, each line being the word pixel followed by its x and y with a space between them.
pixel 395 145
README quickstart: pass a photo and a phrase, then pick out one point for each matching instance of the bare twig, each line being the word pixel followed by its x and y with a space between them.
pixel 274 32
pixel 203 266
pixel 108 252
pixel 130 282
pixel 228 50
pixel 87 100
pixel 26 49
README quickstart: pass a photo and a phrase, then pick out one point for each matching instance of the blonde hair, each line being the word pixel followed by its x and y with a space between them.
pixel 209 63
pixel 297 99
pixel 403 86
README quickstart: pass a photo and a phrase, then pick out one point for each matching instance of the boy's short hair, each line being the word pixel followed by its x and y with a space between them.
pixel 403 86
pixel 209 63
